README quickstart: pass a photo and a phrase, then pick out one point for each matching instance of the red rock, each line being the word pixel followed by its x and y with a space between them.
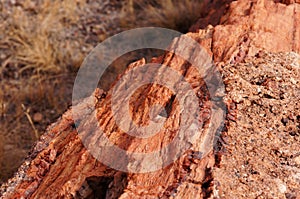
pixel 249 26
pixel 61 167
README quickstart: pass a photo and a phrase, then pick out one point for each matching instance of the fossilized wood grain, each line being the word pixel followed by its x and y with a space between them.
pixel 245 27
pixel 61 167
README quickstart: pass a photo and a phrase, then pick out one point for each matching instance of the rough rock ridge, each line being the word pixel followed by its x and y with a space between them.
pixel 249 26
pixel 257 155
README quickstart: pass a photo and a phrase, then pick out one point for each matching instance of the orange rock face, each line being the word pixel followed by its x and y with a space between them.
pixel 248 26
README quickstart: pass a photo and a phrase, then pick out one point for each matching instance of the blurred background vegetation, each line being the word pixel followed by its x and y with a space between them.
pixel 42 45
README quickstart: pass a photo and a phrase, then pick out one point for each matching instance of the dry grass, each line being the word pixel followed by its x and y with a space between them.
pixel 38 53
pixel 37 39
pixel 34 72
pixel 173 14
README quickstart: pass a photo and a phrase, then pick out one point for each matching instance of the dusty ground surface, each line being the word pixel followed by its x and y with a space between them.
pixel 261 157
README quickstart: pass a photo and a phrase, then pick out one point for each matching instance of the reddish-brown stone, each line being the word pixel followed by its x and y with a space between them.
pixel 61 167
pixel 248 26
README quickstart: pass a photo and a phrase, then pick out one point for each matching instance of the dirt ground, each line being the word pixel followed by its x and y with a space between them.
pixel 261 157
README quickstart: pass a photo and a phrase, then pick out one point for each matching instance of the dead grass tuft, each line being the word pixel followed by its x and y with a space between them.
pixel 174 14
pixel 36 40
pixel 35 61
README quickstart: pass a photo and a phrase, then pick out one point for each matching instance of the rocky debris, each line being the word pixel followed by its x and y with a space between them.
pixel 263 136
pixel 257 155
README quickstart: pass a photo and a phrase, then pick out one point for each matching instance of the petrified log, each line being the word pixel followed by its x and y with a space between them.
pixel 61 166
pixel 259 142
pixel 249 26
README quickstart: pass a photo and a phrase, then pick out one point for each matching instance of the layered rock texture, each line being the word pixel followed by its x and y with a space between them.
pixel 257 154
pixel 248 26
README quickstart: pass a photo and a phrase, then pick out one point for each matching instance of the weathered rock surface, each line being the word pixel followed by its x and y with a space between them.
pixel 248 26
pixel 61 166
pixel 258 155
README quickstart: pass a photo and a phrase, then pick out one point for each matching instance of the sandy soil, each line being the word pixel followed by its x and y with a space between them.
pixel 261 157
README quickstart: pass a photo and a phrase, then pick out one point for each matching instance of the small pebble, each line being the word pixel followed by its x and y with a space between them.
pixel 37 117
